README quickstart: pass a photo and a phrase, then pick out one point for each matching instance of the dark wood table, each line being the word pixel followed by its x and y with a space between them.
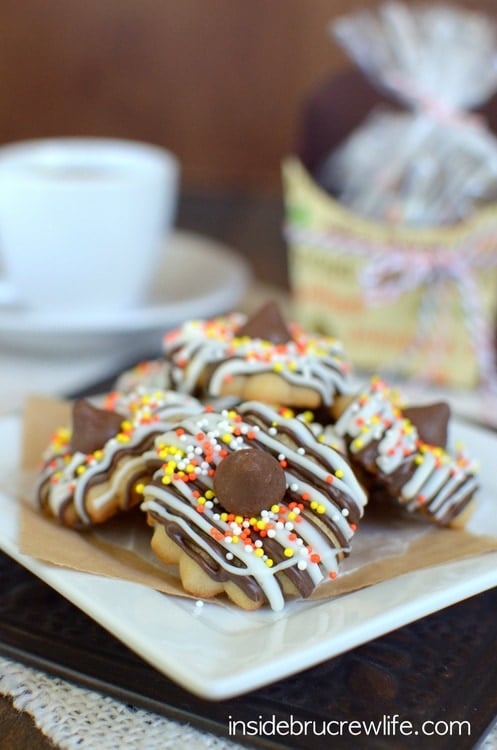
pixel 250 224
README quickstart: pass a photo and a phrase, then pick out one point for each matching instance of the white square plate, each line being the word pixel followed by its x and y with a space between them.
pixel 217 651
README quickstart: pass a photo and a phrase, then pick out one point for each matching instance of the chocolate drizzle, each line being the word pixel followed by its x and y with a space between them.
pixel 208 564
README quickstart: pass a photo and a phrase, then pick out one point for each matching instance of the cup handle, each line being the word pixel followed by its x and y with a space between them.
pixel 7 292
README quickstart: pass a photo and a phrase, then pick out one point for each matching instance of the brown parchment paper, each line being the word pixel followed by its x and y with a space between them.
pixel 385 546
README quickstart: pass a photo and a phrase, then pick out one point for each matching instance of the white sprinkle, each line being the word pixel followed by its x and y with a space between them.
pixel 345 512
pixel 199 603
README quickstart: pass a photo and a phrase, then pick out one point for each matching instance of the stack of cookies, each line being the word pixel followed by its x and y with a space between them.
pixel 252 453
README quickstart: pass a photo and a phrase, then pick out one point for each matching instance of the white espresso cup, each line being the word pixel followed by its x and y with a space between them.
pixel 83 222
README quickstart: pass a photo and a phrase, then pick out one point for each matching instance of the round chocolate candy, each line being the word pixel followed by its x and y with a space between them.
pixel 248 481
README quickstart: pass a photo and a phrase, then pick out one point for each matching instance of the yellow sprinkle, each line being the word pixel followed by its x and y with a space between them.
pixel 190 468
pixel 122 438
pixel 275 508
pixel 418 460
pixel 209 494
pixel 288 552
pixel 139 488
pixel 238 519
pixel 269 562
pixel 80 470
pixel 321 509
pixel 224 516
pixel 98 454
pixel 357 444
pixel 292 516
pixel 126 425
pixel 339 473
pixel 166 480
pixel 261 525
pixel 258 552
pixel 235 539
pixel 201 500
pixel 314 505
pixel 278 367
pixel 227 437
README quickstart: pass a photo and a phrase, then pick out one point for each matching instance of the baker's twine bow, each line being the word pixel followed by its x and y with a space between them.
pixel 431 105
pixel 393 270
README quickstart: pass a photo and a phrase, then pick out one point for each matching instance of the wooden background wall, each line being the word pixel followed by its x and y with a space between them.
pixel 220 82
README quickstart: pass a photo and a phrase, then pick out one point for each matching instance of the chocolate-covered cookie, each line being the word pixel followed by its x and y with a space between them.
pixel 250 503
pixel 258 358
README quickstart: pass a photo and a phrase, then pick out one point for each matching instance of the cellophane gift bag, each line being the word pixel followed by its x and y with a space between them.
pixel 392 240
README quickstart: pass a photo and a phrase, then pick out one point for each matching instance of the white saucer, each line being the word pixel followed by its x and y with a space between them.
pixel 199 277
